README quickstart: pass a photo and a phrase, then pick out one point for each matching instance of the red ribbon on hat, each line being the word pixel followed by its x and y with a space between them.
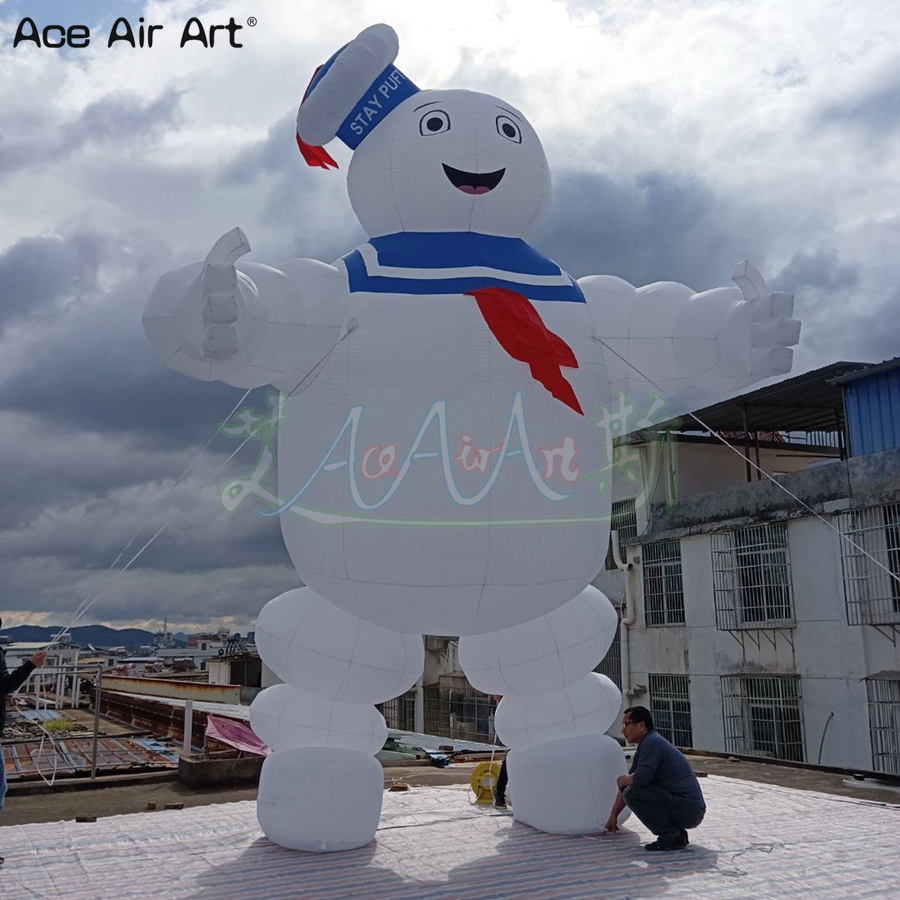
pixel 523 335
pixel 314 156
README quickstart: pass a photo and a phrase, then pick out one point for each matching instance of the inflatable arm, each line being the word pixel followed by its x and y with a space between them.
pixel 693 348
pixel 247 328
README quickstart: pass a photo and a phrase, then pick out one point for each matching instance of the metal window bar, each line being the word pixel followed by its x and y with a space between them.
pixel 752 578
pixel 400 712
pixel 670 706
pixel 663 588
pixel 763 716
pixel 871 595
pixel 624 520
pixel 460 713
pixel 884 723
pixel 611 664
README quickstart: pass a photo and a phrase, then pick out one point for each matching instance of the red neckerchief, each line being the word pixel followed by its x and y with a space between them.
pixel 523 335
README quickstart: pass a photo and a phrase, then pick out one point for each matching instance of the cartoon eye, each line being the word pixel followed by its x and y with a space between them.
pixel 435 121
pixel 509 129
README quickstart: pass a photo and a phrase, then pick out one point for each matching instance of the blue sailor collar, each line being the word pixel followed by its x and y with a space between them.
pixel 454 263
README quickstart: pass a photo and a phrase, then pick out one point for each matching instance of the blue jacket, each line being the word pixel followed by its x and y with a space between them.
pixel 656 762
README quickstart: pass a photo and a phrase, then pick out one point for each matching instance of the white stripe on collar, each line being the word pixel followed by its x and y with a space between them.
pixel 373 268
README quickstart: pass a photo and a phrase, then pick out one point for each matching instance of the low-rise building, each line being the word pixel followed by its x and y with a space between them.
pixel 761 605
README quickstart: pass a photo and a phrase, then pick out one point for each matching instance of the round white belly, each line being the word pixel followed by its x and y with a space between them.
pixel 436 486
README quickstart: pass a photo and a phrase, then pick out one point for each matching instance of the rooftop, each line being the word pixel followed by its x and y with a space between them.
pixel 758 840
pixel 875 369
pixel 810 402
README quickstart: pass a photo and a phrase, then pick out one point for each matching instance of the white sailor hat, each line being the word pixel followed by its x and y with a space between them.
pixel 351 94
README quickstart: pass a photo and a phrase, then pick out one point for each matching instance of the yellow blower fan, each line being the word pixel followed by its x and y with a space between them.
pixel 483 781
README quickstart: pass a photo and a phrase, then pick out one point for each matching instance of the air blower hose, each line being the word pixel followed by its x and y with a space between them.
pixel 483 781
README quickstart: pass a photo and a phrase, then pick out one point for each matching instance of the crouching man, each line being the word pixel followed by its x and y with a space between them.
pixel 661 788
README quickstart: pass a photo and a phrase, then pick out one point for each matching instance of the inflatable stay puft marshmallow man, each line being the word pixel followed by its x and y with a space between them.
pixel 437 469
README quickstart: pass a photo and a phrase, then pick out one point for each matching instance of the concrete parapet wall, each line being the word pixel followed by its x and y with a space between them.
pixel 860 481
pixel 174 689
pixel 204 773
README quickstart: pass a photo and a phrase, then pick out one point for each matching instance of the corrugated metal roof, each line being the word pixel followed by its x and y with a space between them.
pixel 808 402
pixel 229 710
pixel 874 369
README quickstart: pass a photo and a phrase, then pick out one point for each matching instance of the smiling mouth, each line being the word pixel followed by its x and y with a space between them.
pixel 472 182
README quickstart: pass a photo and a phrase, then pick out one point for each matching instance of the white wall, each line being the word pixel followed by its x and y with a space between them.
pixel 832 657
pixel 219 671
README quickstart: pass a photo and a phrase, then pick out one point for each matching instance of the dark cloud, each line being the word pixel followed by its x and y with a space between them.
pixel 849 310
pixel 655 227
pixel 115 120
pixel 309 206
pixel 821 270
pixel 95 432
pixel 88 368
pixel 275 154
pixel 123 117
pixel 875 109
pixel 73 502
pixel 40 272
pixel 198 536
pixel 49 586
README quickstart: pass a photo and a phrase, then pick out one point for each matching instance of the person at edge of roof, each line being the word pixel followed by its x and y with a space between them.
pixel 10 682
pixel 661 788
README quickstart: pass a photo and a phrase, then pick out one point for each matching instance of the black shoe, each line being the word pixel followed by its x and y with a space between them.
pixel 664 845
pixel 500 801
pixel 2 860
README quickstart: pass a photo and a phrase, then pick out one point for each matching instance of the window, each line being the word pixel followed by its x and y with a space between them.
pixel 763 716
pixel 624 520
pixel 454 709
pixel 400 712
pixel 872 593
pixel 611 664
pixel 884 721
pixel 670 706
pixel 663 591
pixel 752 577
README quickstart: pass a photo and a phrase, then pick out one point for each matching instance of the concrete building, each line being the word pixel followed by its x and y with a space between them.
pixel 200 650
pixel 760 617
pixel 241 668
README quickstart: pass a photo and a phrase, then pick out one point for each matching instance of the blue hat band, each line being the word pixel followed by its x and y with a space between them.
pixel 385 93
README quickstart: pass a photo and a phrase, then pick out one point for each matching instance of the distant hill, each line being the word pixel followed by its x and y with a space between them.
pixel 96 635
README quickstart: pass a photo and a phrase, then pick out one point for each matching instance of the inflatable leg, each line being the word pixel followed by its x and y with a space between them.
pixel 321 789
pixel 555 712
pixel 320 799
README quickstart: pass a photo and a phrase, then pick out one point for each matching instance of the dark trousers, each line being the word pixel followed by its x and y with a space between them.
pixel 502 779
pixel 2 772
pixel 663 813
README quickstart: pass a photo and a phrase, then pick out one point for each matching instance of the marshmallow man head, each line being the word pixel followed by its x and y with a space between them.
pixel 423 160
pixel 450 161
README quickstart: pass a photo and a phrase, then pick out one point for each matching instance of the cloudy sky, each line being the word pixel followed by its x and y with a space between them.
pixel 683 135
